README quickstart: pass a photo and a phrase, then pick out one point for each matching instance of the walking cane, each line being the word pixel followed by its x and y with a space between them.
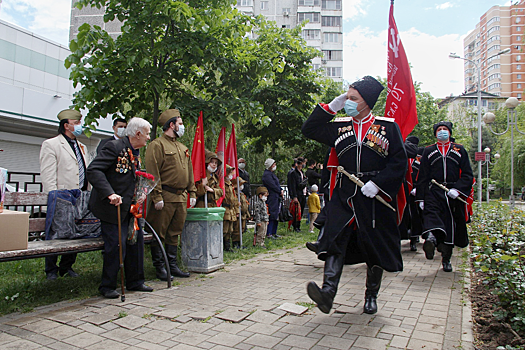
pixel 122 295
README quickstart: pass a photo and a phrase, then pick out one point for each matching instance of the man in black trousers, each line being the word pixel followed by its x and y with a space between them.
pixel 112 174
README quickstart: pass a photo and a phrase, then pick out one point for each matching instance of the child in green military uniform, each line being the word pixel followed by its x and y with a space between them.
pixel 210 185
pixel 231 204
pixel 237 237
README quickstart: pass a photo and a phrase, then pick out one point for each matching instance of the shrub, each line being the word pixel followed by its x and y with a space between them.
pixel 497 243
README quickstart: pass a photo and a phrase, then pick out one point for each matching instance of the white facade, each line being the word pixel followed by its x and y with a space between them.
pixel 34 87
pixel 324 31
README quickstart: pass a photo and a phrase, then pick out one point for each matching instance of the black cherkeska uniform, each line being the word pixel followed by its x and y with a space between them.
pixel 416 221
pixel 447 163
pixel 361 228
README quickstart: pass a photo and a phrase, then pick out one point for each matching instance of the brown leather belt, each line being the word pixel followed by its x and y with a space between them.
pixel 173 190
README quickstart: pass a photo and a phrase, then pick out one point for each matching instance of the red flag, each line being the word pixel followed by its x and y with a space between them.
pixel 198 158
pixel 231 153
pixel 221 145
pixel 401 98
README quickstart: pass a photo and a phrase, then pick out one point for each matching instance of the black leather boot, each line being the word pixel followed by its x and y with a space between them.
pixel 171 252
pixel 312 246
pixel 227 247
pixel 429 246
pixel 446 254
pixel 373 283
pixel 324 297
pixel 413 243
pixel 158 262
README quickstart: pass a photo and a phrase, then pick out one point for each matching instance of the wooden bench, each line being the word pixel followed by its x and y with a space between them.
pixel 41 248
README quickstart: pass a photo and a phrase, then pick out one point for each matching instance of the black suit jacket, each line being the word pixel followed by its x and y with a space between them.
pixel 112 171
pixel 103 142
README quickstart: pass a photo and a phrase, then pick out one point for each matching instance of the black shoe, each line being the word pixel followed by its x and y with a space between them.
pixel 276 236
pixel 51 276
pixel 110 294
pixel 429 246
pixel 323 300
pixel 374 276
pixel 69 273
pixel 171 252
pixel 312 246
pixel 447 266
pixel 413 246
pixel 370 306
pixel 141 288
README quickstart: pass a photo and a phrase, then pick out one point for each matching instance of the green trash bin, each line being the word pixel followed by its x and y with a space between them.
pixel 202 240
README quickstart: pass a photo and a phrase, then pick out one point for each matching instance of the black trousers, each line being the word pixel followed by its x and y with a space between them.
pixel 132 255
pixel 66 262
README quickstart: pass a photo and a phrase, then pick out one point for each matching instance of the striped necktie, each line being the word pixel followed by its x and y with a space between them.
pixel 81 166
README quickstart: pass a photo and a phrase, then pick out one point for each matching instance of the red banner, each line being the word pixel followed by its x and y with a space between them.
pixel 231 153
pixel 221 145
pixel 401 98
pixel 198 157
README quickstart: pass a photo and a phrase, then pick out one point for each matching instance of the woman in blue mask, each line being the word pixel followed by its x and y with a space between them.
pixel 444 214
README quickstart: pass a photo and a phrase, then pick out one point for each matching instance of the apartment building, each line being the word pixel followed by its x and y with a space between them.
pixel 324 30
pixel 499 28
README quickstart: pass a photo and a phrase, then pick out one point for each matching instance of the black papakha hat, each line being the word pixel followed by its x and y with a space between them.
pixel 413 140
pixel 448 125
pixel 369 89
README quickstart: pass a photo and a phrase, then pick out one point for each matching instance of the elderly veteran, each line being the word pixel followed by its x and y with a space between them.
pixel 169 161
pixel 358 227
pixel 63 167
pixel 112 175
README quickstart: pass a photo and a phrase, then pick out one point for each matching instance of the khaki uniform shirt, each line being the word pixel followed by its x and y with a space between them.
pixel 169 160
pixel 213 182
pixel 230 202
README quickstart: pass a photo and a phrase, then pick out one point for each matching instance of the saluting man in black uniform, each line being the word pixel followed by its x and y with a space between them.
pixel 444 215
pixel 358 227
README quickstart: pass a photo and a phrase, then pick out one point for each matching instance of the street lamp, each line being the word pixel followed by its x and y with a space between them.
pixel 488 162
pixel 478 69
pixel 512 123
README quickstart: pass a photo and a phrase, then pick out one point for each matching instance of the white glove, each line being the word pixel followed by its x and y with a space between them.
pixel 370 189
pixel 193 201
pixel 422 205
pixel 453 193
pixel 413 192
pixel 159 205
pixel 338 103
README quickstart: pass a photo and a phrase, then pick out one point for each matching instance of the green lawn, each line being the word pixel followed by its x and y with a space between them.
pixel 23 285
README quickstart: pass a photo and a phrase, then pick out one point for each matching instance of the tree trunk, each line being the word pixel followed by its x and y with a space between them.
pixel 155 121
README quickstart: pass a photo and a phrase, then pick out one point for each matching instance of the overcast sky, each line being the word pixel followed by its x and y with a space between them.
pixel 429 30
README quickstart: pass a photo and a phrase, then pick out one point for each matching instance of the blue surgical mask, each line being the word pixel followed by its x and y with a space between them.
pixel 78 130
pixel 351 108
pixel 443 135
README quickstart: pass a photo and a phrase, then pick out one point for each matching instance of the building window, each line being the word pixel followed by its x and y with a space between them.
pixel 494 86
pixel 286 26
pixel 493 29
pixel 519 95
pixel 519 86
pixel 494 76
pixel 264 5
pixel 333 71
pixel 286 11
pixel 333 55
pixel 313 17
pixel 484 103
pixel 244 2
pixel 490 21
pixel 518 66
pixel 331 21
pixel 331 5
pixel 311 34
pixel 316 66
pixel 518 29
pixel 493 47
pixel 518 38
pixel 493 105
pixel 518 19
pixel 309 2
pixel 332 37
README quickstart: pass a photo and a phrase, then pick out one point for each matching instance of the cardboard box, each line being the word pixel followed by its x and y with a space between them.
pixel 14 228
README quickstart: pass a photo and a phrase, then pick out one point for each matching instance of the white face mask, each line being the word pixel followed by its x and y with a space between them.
pixel 230 177
pixel 180 132
pixel 211 169
pixel 241 187
pixel 242 165
pixel 264 198
pixel 121 132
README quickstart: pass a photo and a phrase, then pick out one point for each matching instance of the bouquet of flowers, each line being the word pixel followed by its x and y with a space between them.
pixel 144 184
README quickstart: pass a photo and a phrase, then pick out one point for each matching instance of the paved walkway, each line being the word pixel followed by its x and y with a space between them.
pixel 241 307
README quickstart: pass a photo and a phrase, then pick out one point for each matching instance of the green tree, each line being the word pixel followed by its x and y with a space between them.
pixel 193 55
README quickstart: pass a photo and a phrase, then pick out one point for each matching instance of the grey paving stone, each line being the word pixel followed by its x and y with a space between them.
pixel 83 339
pixel 226 339
pixel 107 344
pixel 232 315
pixel 131 322
pixel 335 343
pixel 293 308
pixel 263 317
pixel 154 336
pixel 265 341
pixel 119 334
pixel 99 319
pixel 296 341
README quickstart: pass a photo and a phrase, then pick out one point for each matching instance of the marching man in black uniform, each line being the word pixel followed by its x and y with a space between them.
pixel 359 227
pixel 444 183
